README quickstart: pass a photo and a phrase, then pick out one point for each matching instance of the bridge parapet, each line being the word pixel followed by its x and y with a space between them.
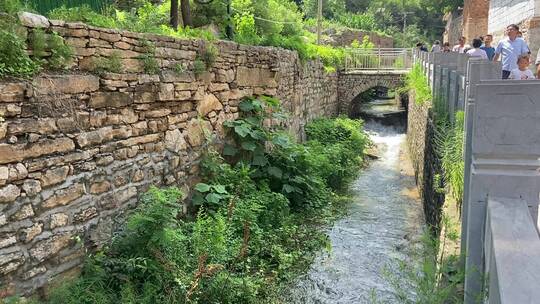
pixel 378 59
pixel 502 159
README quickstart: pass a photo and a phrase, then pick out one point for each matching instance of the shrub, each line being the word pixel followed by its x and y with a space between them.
pixel 61 54
pixel 199 67
pixel 416 81
pixel 208 55
pixel 254 232
pixel 112 64
pixel 14 61
pixel 38 42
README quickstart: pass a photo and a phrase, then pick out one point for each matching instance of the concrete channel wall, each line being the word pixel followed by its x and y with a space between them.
pixel 502 174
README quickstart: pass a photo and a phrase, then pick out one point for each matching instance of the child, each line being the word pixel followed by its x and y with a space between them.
pixel 522 72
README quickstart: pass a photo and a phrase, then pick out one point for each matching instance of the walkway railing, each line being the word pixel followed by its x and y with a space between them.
pixel 500 243
pixel 389 59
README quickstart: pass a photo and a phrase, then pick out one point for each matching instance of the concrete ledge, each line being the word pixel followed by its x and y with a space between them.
pixel 512 252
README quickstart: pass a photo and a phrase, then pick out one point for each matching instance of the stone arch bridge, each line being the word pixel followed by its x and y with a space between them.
pixel 352 83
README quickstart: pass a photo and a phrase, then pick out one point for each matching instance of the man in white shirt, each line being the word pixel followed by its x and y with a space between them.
pixel 461 46
pixel 477 51
pixel 509 49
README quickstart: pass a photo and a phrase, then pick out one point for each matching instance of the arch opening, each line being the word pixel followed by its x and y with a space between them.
pixel 380 104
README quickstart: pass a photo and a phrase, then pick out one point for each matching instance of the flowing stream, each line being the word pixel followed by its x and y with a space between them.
pixel 383 222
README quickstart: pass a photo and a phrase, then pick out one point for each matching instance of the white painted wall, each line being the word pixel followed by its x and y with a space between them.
pixel 505 12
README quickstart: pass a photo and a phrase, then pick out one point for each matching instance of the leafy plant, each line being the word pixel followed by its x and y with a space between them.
pixel 14 61
pixel 179 68
pixel 208 55
pixel 199 67
pixel 38 42
pixel 112 63
pixel 61 54
pixel 416 81
pixel 148 58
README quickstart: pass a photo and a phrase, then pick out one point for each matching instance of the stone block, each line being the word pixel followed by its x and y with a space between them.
pixel 182 95
pixel 31 187
pixel 26 211
pixel 166 91
pixel 58 220
pixel 28 234
pixel 110 37
pixel 40 125
pixel 250 77
pixel 177 54
pixel 94 137
pixel 208 104
pixel 100 187
pixel 64 196
pixel 66 84
pixel 196 130
pixel 9 193
pixel 171 76
pixel 110 99
pixel 53 177
pixel 174 141
pixel 85 215
pixel 12 91
pixel 11 261
pixel 33 20
pixel 6 241
pixel 47 248
pixel 16 153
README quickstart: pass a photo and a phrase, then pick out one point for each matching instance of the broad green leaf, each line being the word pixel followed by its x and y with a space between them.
pixel 249 145
pixel 246 106
pixel 288 188
pixel 202 187
pixel 242 130
pixel 259 160
pixel 229 150
pixel 213 198
pixel 275 172
pixel 220 189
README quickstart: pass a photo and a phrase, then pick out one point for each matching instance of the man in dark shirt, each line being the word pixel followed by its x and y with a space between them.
pixel 490 50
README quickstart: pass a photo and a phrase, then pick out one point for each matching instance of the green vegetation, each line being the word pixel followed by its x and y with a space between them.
pixel 148 58
pixel 112 63
pixel 258 219
pixel 449 139
pixel 48 49
pixel 417 82
pixel 428 275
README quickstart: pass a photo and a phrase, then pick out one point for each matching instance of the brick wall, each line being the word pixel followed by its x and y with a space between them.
pixel 475 18
pixel 77 149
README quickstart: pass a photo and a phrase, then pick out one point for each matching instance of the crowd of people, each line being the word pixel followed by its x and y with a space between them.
pixel 513 52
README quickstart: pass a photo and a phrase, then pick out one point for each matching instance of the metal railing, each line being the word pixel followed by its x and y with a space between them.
pixel 378 59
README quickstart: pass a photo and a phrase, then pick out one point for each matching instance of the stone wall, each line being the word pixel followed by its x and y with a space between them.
pixel 426 164
pixel 454 27
pixel 77 149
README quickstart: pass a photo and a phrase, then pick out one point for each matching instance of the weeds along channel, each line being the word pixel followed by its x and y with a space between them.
pixel 257 222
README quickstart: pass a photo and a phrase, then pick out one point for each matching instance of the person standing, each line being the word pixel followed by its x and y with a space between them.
pixel 476 51
pixel 436 48
pixel 461 46
pixel 490 50
pixel 446 47
pixel 509 49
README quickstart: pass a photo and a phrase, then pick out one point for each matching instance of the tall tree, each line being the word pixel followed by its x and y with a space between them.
pixel 186 12
pixel 174 14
